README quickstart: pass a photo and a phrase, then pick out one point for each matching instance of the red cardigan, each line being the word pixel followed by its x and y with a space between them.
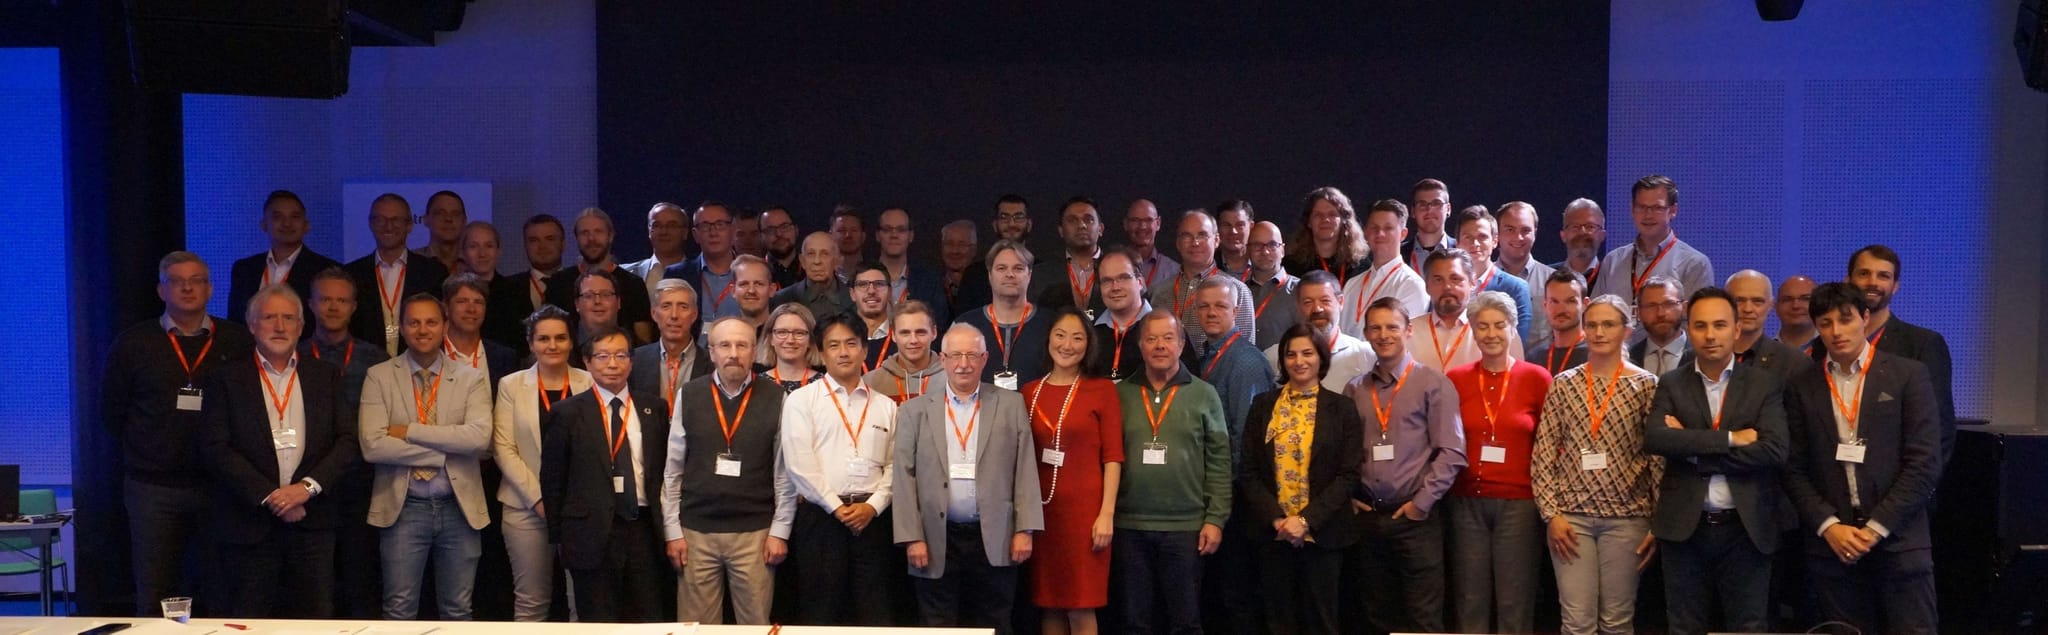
pixel 1514 427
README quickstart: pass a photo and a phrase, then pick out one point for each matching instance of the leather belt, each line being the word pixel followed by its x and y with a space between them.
pixel 1722 517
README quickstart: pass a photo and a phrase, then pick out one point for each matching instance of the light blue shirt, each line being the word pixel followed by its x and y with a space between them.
pixel 1718 497
pixel 961 410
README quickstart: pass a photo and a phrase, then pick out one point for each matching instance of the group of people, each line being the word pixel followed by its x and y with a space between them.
pixel 1362 418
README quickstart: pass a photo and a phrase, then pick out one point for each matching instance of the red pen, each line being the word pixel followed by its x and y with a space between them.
pixel 239 627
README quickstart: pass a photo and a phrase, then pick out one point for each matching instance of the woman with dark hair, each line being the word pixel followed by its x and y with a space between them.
pixel 524 400
pixel 1076 421
pixel 1302 447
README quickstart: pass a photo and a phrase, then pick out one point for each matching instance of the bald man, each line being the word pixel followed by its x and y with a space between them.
pixel 820 290
pixel 1795 327
pixel 1751 292
pixel 1273 307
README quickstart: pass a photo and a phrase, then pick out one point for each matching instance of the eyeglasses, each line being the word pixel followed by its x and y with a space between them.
pixel 780 228
pixel 1010 218
pixel 1433 204
pixel 1116 280
pixel 866 285
pixel 713 225
pixel 606 358
pixel 1263 246
pixel 788 334
pixel 961 356
pixel 1584 228
pixel 597 296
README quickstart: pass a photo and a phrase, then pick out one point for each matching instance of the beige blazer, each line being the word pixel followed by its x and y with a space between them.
pixel 515 433
pixel 460 437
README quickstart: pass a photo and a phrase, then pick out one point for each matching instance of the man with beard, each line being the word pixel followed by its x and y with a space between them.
pixel 1317 301
pixel 594 245
pixel 1564 303
pixel 1272 289
pixel 1141 228
pixel 1443 337
pixel 778 234
pixel 1874 272
pixel 445 218
pixel 1517 223
pixel 871 303
pixel 1123 299
pixel 1233 229
pixel 1071 281
pixel 1659 311
pixel 1583 233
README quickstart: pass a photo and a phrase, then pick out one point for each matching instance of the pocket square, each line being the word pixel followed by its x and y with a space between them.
pixel 1884 397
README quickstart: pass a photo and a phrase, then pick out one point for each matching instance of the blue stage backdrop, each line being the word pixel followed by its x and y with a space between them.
pixel 33 408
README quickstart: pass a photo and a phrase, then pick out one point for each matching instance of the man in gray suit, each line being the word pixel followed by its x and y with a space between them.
pixel 1721 428
pixel 966 491
pixel 423 424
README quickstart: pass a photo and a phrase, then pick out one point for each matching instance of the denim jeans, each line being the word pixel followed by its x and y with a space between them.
pixel 437 527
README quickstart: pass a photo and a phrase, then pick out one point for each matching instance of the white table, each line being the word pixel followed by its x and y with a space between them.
pixel 159 626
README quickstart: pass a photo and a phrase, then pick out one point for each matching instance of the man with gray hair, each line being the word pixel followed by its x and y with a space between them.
pixel 151 396
pixel 663 366
pixel 1751 292
pixel 966 278
pixel 1229 362
pixel 1583 233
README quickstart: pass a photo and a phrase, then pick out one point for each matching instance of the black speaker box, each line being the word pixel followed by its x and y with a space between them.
pixel 1991 528
pixel 287 48
pixel 2030 41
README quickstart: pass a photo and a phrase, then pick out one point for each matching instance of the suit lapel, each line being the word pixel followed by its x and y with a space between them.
pixel 984 427
pixel 256 407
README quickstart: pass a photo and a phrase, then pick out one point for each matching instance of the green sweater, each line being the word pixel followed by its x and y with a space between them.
pixel 1193 487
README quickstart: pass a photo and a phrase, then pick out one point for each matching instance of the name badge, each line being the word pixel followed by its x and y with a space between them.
pixel 1052 457
pixel 857 468
pixel 1155 454
pixel 728 465
pixel 390 331
pixel 284 439
pixel 618 485
pixel 1383 452
pixel 961 471
pixel 1591 461
pixel 1849 452
pixel 1006 380
pixel 189 399
pixel 1493 454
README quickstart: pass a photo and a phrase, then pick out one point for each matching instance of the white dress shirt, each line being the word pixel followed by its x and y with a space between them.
pixel 1443 345
pixel 604 398
pixel 1849 382
pixel 962 410
pixel 275 270
pixel 1392 280
pixel 284 385
pixel 672 480
pixel 820 456
pixel 1349 358
pixel 1718 496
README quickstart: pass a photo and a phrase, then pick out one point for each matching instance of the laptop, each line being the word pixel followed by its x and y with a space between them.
pixel 10 492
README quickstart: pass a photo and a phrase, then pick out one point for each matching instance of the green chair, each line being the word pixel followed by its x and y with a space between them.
pixel 20 555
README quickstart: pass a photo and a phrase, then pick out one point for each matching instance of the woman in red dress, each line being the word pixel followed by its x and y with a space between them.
pixel 1075 421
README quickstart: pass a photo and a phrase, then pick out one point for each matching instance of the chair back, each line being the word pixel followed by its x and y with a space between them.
pixel 33 502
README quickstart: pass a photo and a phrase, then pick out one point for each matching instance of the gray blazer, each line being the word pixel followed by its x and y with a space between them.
pixel 461 434
pixel 1005 474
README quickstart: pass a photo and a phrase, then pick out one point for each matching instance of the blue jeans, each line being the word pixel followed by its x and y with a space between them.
pixel 433 526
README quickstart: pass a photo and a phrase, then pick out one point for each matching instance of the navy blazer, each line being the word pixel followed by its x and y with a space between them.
pixel 236 447
pixel 246 276
pixel 1752 400
pixel 422 275
pixel 1900 422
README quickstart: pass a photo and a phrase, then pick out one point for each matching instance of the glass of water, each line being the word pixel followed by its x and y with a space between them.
pixel 179 609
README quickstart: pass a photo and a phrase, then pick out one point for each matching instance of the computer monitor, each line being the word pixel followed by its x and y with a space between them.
pixel 10 492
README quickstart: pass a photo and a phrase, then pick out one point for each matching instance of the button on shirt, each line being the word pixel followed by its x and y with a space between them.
pixel 632 417
pixel 1846 380
pixel 961 507
pixel 1718 496
pixel 283 381
pixel 1423 427
pixel 818 453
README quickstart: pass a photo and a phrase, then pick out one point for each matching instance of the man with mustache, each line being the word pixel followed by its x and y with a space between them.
pixel 1443 337
pixel 1317 301
pixel 1564 302
pixel 1874 272
pixel 1273 291
pixel 1583 233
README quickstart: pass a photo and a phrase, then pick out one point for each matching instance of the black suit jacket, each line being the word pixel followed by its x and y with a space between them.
pixel 1753 400
pixel 648 368
pixel 422 275
pixel 634 307
pixel 1335 453
pixel 505 314
pixel 1900 422
pixel 1923 345
pixel 499 361
pixel 247 276
pixel 1778 358
pixel 576 474
pixel 237 451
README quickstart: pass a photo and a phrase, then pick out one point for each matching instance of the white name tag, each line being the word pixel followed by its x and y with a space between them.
pixel 284 439
pixel 728 465
pixel 1052 457
pixel 961 471
pixel 189 399
pixel 1848 453
pixel 857 468
pixel 1493 454
pixel 618 485
pixel 1593 461
pixel 1155 454
pixel 1383 452
pixel 1006 380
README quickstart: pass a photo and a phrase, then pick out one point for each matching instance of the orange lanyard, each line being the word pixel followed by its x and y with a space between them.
pixel 289 382
pixel 1340 271
pixel 473 358
pixel 1491 271
pixel 391 301
pixel 1080 290
pixel 1492 418
pixel 882 352
pixel 1219 355
pixel 1550 358
pixel 190 364
pixel 538 290
pixel 852 431
pixel 618 436
pixel 1156 419
pixel 903 391
pixel 1722 408
pixel 777 372
pixel 547 403
pixel 1443 355
pixel 964 437
pixel 675 379
pixel 705 279
pixel 1180 301
pixel 433 397
pixel 1853 410
pixel 1001 345
pixel 1275 290
pixel 1116 360
pixel 1151 267
pixel 346 353
pixel 1370 296
pixel 1387 412
pixel 1598 409
pixel 280 277
pixel 1640 278
pixel 1056 425
pixel 729 427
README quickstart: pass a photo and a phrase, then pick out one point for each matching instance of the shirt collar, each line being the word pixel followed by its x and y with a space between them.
pixel 381 264
pixel 606 396
pixel 1676 347
pixel 1180 376
pixel 689 346
pixel 432 368
pixel 205 324
pixel 1713 381
pixel 1862 360
pixel 290 364
pixel 957 399
pixel 1384 377
pixel 1459 321
pixel 271 259
pixel 719 380
pixel 1215 344
pixel 1106 319
pixel 860 388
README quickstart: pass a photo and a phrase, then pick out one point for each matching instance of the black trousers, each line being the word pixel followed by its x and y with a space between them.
pixel 1299 585
pixel 290 574
pixel 1718 562
pixel 1232 607
pixel 972 593
pixel 165 525
pixel 1397 572
pixel 845 577
pixel 1889 592
pixel 1162 580
pixel 627 585
pixel 358 567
